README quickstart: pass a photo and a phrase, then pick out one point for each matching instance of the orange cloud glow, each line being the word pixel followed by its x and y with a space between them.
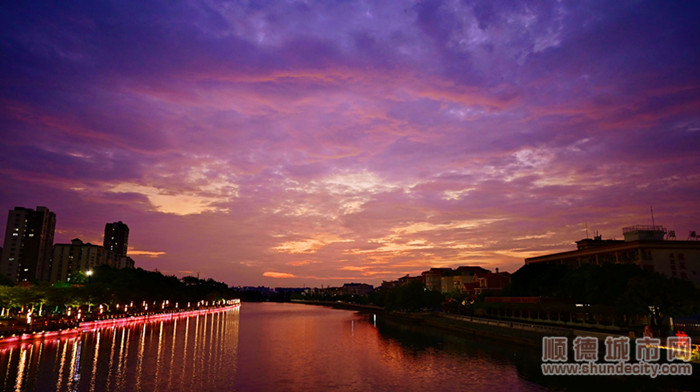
pixel 147 253
pixel 278 275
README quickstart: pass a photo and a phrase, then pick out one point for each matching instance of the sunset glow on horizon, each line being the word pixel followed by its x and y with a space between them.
pixel 319 143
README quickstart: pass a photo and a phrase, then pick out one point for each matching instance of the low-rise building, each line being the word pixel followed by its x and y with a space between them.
pixel 486 283
pixel 649 247
pixel 116 260
pixel 408 279
pixel 357 289
pixel 447 280
pixel 493 283
pixel 433 277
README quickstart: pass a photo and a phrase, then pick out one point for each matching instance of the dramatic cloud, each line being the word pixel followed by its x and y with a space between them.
pixel 329 142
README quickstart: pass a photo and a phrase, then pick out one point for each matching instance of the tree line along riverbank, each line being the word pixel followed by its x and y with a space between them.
pixel 106 293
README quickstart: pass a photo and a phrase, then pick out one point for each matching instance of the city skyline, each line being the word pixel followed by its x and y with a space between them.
pixel 282 144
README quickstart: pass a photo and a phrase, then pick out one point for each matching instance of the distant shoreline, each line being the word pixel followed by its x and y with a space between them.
pixel 523 333
pixel 526 333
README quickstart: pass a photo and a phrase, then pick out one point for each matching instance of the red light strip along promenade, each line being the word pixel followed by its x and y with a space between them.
pixel 89 326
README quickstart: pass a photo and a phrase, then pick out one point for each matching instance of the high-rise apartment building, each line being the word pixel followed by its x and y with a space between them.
pixel 116 238
pixel 28 244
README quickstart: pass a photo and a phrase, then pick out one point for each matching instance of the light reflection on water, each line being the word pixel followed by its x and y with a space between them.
pixel 162 356
pixel 315 348
pixel 279 347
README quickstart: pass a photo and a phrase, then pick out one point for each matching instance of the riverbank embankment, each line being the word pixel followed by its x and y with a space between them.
pixel 525 333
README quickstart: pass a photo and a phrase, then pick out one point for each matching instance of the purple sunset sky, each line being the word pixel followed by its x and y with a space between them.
pixel 301 142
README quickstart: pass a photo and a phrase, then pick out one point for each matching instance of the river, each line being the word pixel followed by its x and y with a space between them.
pixel 281 347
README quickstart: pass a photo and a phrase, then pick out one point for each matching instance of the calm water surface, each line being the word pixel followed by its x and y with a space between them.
pixel 276 347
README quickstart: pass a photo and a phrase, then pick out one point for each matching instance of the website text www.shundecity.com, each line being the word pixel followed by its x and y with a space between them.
pixel 555 357
pixel 620 368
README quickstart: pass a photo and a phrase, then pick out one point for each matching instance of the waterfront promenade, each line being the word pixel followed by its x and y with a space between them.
pixel 53 326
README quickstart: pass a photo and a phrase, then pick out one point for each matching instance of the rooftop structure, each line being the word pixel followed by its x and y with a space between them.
pixel 644 246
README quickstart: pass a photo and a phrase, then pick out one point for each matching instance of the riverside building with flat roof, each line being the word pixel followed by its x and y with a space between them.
pixel 652 248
